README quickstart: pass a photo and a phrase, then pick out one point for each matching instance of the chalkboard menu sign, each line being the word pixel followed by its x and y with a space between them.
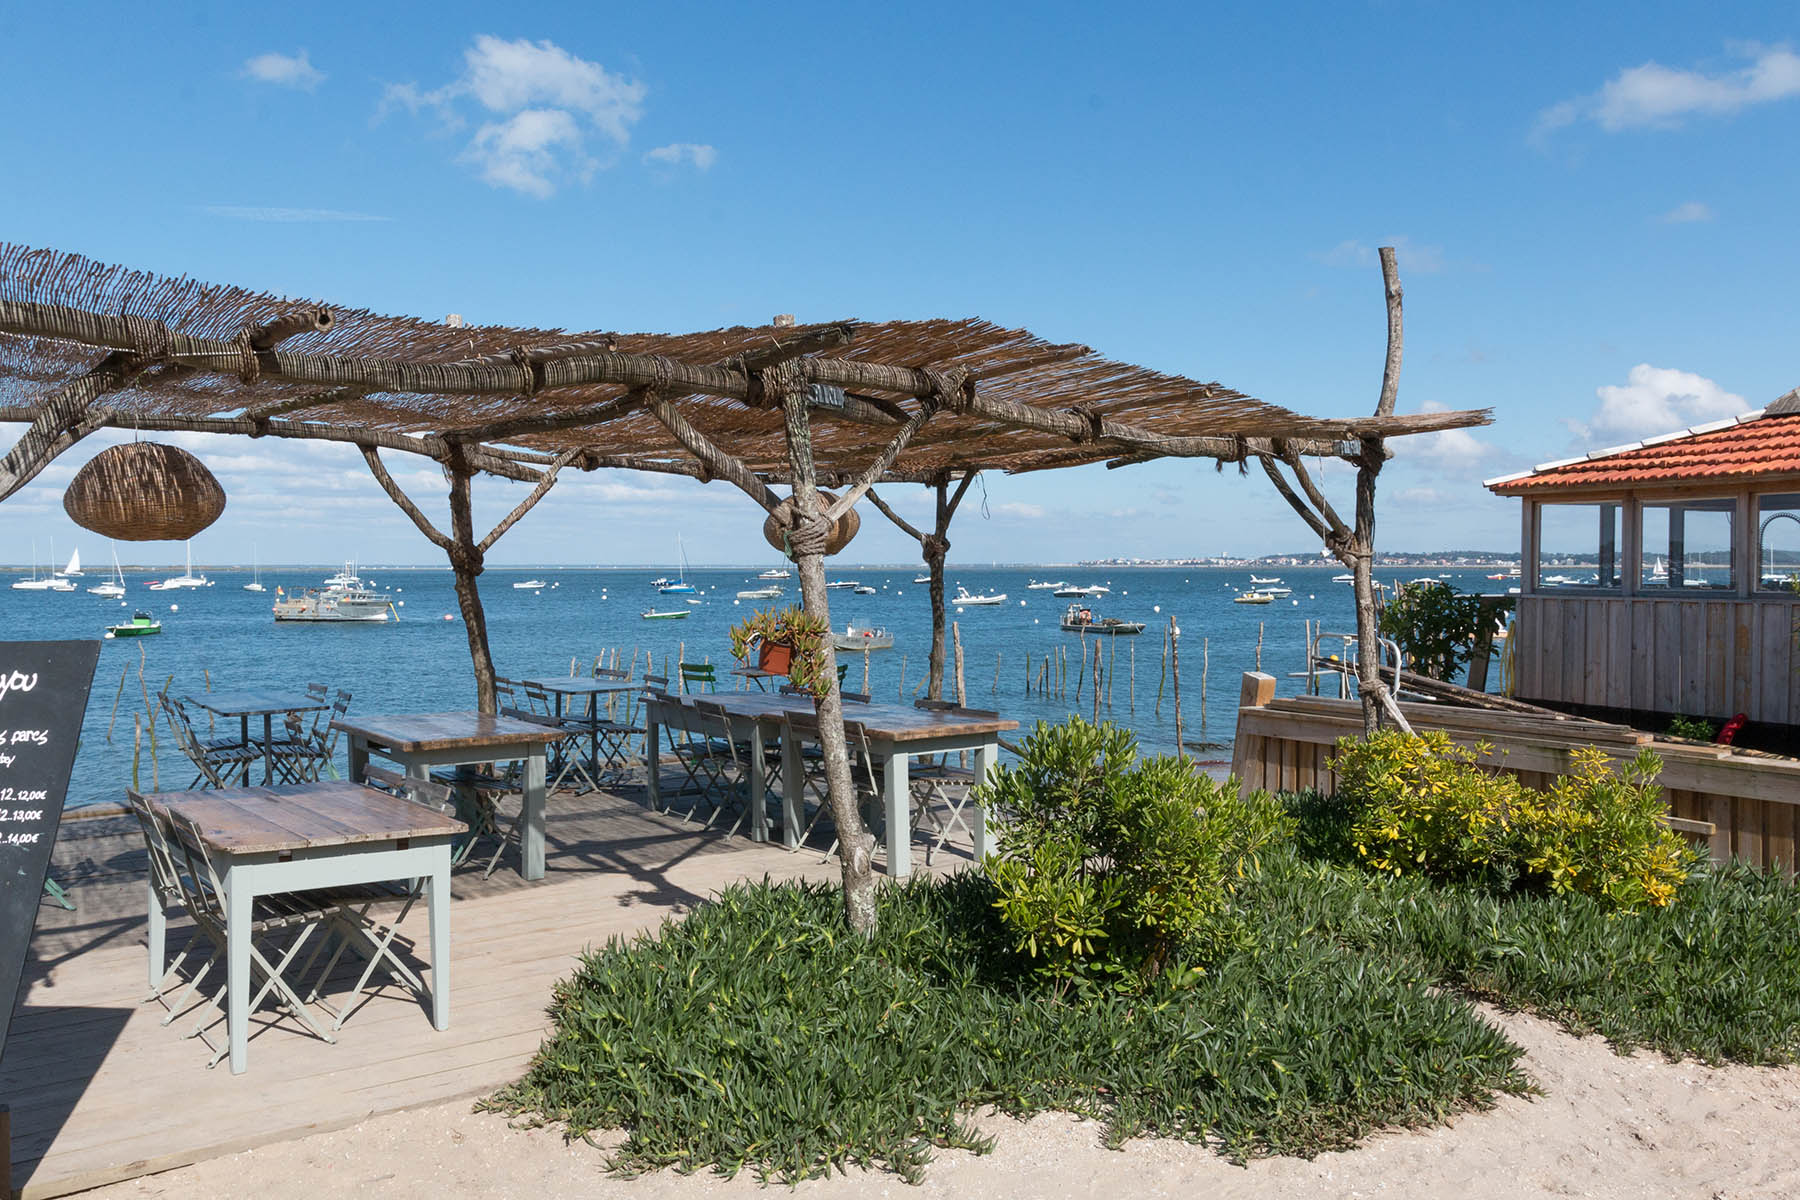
pixel 43 696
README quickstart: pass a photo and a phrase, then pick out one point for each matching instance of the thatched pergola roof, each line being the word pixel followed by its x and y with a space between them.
pixel 225 359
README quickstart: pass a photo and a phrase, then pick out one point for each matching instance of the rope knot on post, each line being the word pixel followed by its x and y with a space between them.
pixel 522 359
pixel 249 369
pixel 149 340
pixel 1087 412
pixel 935 547
pixel 810 535
pixel 949 388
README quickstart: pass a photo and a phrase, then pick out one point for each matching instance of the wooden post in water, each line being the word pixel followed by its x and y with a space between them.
pixel 1096 680
pixel 962 698
pixel 1131 679
pixel 1162 674
pixel 1112 667
pixel 1259 641
pixel 1028 672
pixel 1205 661
pixel 901 694
pixel 865 686
pixel 996 672
pixel 1175 674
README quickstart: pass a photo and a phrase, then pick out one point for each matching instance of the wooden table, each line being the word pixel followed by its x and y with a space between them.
pixel 896 732
pixel 421 741
pixel 756 675
pixel 258 702
pixel 569 686
pixel 311 835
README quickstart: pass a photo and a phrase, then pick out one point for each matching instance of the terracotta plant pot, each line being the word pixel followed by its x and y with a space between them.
pixel 774 657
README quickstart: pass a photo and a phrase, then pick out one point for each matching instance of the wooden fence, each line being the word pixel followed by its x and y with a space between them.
pixel 1736 803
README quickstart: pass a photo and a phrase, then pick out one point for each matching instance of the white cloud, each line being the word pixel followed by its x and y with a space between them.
pixel 538 106
pixel 1026 512
pixel 1654 400
pixel 675 153
pixel 1684 214
pixel 1449 451
pixel 295 71
pixel 1653 96
pixel 1412 256
pixel 245 212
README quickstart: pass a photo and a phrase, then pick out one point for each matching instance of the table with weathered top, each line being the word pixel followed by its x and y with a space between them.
pixel 421 741
pixel 311 835
pixel 896 733
pixel 568 687
pixel 245 703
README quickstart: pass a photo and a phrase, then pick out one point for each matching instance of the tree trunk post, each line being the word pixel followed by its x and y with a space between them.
pixel 466 563
pixel 855 845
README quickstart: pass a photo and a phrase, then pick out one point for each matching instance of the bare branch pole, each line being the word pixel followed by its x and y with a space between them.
pixel 399 497
pixel 524 506
pixel 935 547
pixel 719 464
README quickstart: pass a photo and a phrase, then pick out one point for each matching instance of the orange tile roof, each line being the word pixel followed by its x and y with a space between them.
pixel 1754 446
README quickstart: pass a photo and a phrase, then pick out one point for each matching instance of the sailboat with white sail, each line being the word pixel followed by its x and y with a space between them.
pixel 679 586
pixel 73 570
pixel 113 588
pixel 255 584
pixel 34 584
pixel 187 578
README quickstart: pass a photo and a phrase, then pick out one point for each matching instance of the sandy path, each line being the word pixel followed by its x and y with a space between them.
pixel 1607 1126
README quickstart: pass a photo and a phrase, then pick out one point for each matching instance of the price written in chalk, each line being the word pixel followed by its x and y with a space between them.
pixel 20 814
pixel 19 839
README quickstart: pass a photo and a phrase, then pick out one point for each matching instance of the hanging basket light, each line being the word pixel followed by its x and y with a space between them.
pixel 144 492
pixel 779 521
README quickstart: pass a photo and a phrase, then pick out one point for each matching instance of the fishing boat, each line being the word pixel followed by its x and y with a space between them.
pixel 256 583
pixel 856 639
pixel 1078 619
pixel 142 624
pixel 762 593
pixel 679 586
pixel 1036 586
pixel 673 614
pixel 963 596
pixel 1253 597
pixel 862 589
pixel 776 573
pixel 349 599
pixel 532 585
pixel 73 570
pixel 112 588
pixel 187 578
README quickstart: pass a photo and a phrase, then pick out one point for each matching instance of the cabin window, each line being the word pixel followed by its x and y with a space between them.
pixel 1778 542
pixel 1579 546
pixel 1688 545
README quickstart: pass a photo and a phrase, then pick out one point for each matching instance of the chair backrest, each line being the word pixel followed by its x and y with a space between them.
pixel 930 705
pixel 426 792
pixel 843 670
pixel 204 897
pixel 324 736
pixel 504 690
pixel 854 697
pixel 976 714
pixel 318 691
pixel 659 684
pixel 612 673
pixel 794 689
pixel 165 876
pixel 538 699
pixel 695 675
pixel 185 739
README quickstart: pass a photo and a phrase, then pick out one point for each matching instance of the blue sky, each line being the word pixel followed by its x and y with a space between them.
pixel 1593 207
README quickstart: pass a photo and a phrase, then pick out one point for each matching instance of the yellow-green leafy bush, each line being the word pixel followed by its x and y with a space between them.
pixel 1419 804
pixel 1115 868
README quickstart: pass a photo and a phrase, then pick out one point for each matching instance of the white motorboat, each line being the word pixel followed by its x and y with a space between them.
pixel 763 593
pixel 855 639
pixel 965 597
pixel 776 573
pixel 1346 577
pixel 921 579
pixel 837 584
pixel 1070 592
pixel 348 599
pixel 1279 592
pixel 73 570
pixel 1036 586
pixel 1258 581
pixel 531 585
pixel 862 589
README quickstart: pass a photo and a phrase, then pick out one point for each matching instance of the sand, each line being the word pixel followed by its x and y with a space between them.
pixel 1607 1125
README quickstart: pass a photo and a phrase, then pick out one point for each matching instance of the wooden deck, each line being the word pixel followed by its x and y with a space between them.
pixel 101 1091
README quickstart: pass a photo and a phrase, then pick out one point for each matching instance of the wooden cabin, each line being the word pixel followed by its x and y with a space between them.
pixel 1663 577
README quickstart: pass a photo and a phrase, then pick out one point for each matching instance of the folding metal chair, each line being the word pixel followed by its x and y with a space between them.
pixel 615 735
pixel 564 756
pixel 375 939
pixel 212 767
pixel 306 754
pixel 698 676
pixel 803 728
pixel 941 792
pixel 203 892
pixel 699 747
pixel 169 890
pixel 737 736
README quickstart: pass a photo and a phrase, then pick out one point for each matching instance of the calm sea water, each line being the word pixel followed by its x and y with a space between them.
pixel 420 663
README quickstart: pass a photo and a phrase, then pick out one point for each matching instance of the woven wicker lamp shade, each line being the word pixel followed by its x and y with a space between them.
pixel 779 521
pixel 144 492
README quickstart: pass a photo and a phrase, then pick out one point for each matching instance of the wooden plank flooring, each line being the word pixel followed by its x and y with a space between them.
pixel 102 1091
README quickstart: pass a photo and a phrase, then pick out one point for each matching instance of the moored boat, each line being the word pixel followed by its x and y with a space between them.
pixel 673 614
pixel 763 593
pixel 964 596
pixel 1253 597
pixel 533 585
pixel 862 589
pixel 142 624
pixel 347 599
pixel 776 573
pixel 1037 586
pixel 1079 619
pixel 856 638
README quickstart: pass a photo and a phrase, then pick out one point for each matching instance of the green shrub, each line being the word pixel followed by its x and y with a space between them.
pixel 758 1034
pixel 1698 728
pixel 1422 805
pixel 1114 868
pixel 1434 625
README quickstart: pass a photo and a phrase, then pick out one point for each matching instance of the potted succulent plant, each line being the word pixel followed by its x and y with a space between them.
pixel 785 641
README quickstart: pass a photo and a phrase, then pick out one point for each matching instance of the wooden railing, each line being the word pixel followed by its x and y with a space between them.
pixel 1738 804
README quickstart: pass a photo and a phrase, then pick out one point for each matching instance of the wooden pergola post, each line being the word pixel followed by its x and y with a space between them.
pixel 934 547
